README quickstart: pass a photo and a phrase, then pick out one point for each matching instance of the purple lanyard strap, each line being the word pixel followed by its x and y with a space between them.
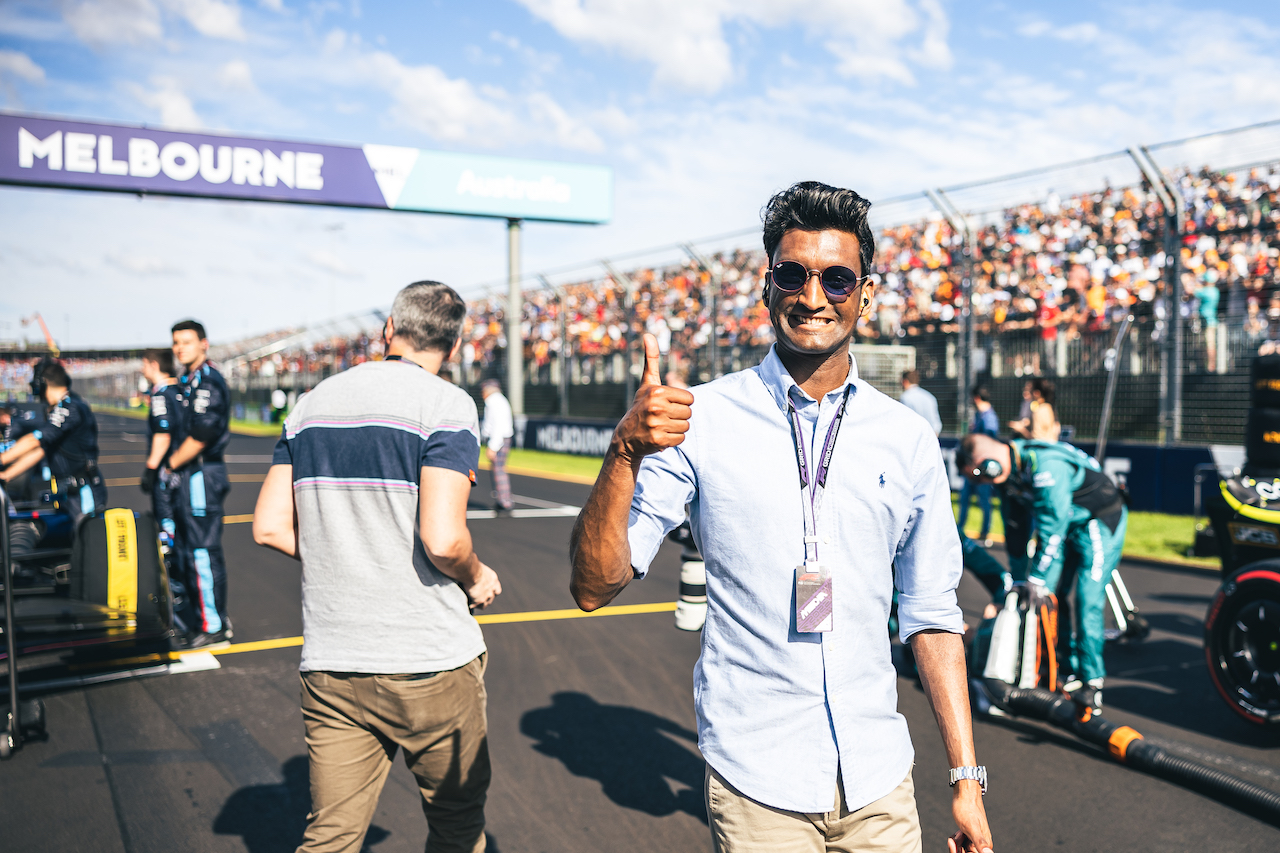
pixel 815 487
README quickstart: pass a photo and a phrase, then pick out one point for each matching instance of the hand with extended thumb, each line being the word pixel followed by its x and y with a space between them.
pixel 659 415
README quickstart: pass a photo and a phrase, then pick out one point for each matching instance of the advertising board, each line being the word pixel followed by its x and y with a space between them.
pixel 50 152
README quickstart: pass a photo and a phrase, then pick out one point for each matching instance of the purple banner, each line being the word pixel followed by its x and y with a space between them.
pixel 82 155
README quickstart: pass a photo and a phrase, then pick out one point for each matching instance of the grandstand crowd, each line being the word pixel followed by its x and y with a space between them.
pixel 1059 267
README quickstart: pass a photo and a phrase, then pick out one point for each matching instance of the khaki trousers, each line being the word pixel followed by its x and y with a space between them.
pixel 742 825
pixel 355 723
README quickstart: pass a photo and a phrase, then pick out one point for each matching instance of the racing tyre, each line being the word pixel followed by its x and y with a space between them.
pixel 1262 438
pixel 1242 642
pixel 1264 382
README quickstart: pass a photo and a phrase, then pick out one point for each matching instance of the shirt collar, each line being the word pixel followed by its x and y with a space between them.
pixel 780 383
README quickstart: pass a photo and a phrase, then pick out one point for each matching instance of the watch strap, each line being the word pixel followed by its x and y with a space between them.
pixel 977 774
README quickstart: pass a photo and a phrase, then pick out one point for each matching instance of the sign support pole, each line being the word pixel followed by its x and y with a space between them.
pixel 515 311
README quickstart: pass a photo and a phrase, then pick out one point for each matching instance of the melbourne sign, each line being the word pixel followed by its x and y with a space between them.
pixel 48 152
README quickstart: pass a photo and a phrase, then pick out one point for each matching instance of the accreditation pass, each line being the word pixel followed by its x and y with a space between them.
pixel 813 598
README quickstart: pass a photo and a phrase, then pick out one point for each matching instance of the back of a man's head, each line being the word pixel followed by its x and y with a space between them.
pixel 911 377
pixel 56 376
pixel 428 315
pixel 163 359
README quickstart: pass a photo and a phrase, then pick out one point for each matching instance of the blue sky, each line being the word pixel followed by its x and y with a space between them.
pixel 702 107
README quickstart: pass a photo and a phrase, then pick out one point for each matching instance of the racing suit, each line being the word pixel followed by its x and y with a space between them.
pixel 165 412
pixel 1080 520
pixel 198 492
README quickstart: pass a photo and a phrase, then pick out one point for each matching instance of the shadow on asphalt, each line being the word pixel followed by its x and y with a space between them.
pixel 271 818
pixel 1174 687
pixel 631 753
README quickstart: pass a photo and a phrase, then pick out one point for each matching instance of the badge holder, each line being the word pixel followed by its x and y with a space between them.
pixel 813 598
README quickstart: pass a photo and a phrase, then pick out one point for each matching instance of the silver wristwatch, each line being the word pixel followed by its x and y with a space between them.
pixel 977 774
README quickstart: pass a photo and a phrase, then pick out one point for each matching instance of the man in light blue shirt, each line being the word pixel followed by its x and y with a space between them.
pixel 920 401
pixel 811 495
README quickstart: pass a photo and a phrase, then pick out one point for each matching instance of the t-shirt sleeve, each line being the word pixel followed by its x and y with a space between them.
pixel 210 413
pixel 162 413
pixel 283 454
pixel 928 562
pixel 455 443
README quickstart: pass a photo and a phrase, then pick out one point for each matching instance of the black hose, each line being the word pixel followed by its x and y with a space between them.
pixel 1128 747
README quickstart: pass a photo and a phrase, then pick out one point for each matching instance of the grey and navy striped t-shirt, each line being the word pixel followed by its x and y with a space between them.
pixel 371 600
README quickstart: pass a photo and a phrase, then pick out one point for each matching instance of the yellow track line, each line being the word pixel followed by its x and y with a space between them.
pixel 483 619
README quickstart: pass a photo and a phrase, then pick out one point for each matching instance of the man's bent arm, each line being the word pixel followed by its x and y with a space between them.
pixel 442 526
pixel 275 521
pixel 598 547
pixel 23 464
pixel 21 447
pixel 187 451
pixel 940 660
pixel 442 523
pixel 159 447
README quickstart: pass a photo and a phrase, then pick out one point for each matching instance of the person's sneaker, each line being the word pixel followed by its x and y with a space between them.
pixel 206 642
pixel 503 511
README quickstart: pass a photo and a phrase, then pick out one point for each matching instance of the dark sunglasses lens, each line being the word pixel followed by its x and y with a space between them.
pixel 789 276
pixel 839 278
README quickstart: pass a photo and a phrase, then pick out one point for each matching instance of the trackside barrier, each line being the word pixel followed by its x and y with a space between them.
pixel 1159 478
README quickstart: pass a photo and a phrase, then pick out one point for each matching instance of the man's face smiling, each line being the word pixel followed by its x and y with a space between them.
pixel 807 323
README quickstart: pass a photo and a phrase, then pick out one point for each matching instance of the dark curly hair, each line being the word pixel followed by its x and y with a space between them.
pixel 815 206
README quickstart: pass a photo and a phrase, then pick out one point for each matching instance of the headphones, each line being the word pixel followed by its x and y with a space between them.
pixel 38 382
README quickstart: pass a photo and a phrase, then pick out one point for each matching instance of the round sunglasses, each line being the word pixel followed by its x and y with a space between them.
pixel 837 282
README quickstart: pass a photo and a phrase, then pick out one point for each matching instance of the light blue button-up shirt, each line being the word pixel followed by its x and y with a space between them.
pixel 779 713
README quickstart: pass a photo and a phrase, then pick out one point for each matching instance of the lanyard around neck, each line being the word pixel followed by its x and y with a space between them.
pixel 815 486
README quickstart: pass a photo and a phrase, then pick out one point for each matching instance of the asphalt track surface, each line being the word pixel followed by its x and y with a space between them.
pixel 591 722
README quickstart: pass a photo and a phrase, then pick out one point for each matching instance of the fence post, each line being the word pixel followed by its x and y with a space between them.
pixel 515 310
pixel 711 296
pixel 629 307
pixel 965 374
pixel 1170 368
pixel 563 355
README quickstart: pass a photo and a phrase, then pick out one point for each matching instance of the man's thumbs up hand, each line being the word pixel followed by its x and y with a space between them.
pixel 659 415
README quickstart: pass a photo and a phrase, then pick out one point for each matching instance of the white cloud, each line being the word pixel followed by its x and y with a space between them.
pixel 236 76
pixel 210 18
pixel 686 43
pixel 273 5
pixel 125 22
pixel 446 108
pixel 167 97
pixel 103 22
pixel 16 64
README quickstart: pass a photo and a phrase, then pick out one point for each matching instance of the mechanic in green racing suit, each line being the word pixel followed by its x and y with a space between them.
pixel 1080 520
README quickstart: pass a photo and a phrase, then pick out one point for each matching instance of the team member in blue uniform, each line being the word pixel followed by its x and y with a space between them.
pixel 164 412
pixel 199 477
pixel 1078 512
pixel 66 442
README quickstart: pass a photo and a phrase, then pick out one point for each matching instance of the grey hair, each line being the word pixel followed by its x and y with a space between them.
pixel 429 315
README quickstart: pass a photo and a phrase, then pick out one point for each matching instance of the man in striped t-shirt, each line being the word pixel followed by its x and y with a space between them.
pixel 368 488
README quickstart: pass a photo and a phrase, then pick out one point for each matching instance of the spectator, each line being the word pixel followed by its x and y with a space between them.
pixel 985 422
pixel 498 430
pixel 375 465
pixel 920 401
pixel 1207 296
